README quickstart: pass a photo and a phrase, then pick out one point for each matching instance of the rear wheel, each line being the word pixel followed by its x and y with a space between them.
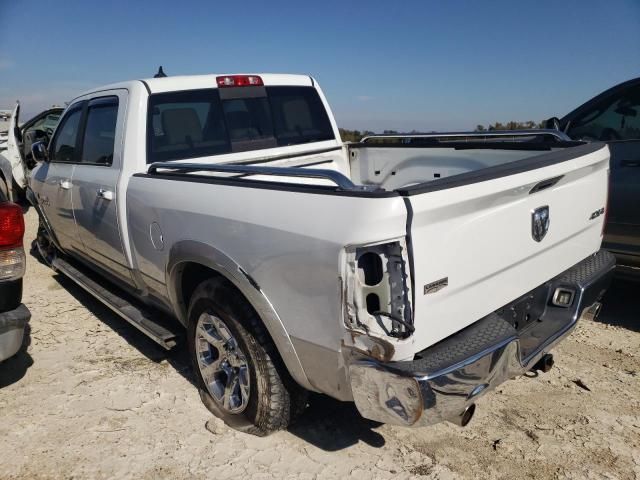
pixel 241 377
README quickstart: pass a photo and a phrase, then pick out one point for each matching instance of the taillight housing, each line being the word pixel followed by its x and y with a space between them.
pixel 11 225
pixel 12 258
pixel 239 81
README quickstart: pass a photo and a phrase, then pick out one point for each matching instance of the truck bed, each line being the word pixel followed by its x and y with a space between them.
pixel 470 225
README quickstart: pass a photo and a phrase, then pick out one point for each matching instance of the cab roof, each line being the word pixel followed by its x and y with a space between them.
pixel 195 82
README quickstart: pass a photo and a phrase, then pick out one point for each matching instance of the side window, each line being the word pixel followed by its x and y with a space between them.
pixel 63 147
pixel 100 131
pixel 51 121
pixel 615 118
pixel 39 125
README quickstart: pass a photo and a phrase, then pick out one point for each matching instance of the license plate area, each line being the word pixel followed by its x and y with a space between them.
pixel 527 309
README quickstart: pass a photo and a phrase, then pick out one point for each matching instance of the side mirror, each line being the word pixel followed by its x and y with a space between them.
pixel 39 152
pixel 552 123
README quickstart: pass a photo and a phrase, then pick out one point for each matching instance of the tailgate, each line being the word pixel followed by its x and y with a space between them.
pixel 476 231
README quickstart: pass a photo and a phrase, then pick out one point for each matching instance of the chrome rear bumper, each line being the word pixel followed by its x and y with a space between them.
pixel 444 381
pixel 12 326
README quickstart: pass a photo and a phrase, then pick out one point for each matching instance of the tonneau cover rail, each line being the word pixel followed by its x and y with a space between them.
pixel 341 181
pixel 473 136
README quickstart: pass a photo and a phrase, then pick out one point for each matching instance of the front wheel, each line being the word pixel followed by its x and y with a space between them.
pixel 44 247
pixel 241 377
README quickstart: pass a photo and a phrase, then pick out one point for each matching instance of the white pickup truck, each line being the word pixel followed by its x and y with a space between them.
pixel 410 277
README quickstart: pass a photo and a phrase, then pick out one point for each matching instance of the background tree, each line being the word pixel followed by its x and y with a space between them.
pixel 511 125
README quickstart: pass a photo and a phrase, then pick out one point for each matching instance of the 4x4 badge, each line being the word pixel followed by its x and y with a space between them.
pixel 540 221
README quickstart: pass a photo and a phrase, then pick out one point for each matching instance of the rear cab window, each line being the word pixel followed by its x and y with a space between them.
pixel 206 122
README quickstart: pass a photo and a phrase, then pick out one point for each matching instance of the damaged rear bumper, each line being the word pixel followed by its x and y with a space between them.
pixel 444 381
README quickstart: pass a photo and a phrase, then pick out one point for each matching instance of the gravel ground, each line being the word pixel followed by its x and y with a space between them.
pixel 93 398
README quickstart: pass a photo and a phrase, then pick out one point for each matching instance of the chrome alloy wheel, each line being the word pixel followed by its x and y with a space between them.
pixel 222 364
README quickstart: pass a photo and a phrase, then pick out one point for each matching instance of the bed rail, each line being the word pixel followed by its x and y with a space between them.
pixel 340 180
pixel 474 136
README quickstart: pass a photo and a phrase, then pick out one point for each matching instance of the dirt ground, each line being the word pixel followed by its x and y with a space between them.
pixel 93 398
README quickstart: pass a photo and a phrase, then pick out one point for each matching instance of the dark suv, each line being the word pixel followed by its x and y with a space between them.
pixel 614 117
pixel 14 316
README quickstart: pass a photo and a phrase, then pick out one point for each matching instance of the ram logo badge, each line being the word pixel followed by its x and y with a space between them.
pixel 540 221
pixel 436 286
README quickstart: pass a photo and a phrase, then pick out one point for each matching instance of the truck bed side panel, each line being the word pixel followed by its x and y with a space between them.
pixel 289 242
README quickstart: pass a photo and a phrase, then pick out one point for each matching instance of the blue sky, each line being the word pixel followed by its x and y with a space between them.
pixel 425 65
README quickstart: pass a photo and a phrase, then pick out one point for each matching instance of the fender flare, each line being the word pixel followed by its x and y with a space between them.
pixel 7 173
pixel 191 251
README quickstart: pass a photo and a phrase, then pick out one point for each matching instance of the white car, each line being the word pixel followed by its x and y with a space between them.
pixel 408 276
pixel 16 139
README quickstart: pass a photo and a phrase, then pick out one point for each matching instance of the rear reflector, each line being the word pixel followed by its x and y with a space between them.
pixel 11 225
pixel 239 81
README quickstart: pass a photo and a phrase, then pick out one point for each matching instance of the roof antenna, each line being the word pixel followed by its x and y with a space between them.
pixel 160 73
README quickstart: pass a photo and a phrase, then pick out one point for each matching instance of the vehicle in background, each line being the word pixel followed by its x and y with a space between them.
pixel 5 115
pixel 614 117
pixel 16 160
pixel 408 278
pixel 14 316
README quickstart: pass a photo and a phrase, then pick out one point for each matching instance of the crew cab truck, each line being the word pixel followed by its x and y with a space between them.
pixel 410 279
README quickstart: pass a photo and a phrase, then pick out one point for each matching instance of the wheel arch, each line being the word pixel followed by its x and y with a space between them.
pixel 191 262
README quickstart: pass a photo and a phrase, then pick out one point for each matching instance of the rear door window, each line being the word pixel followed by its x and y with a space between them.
pixel 199 123
pixel 100 131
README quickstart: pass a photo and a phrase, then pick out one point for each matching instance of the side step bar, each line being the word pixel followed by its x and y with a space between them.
pixel 139 317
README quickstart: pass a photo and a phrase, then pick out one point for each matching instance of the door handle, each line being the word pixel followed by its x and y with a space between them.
pixel 105 194
pixel 631 163
pixel 65 184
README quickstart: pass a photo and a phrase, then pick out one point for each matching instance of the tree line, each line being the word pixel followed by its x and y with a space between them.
pixel 528 125
pixel 357 135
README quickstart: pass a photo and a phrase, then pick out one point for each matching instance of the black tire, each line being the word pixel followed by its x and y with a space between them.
pixel 274 399
pixel 43 248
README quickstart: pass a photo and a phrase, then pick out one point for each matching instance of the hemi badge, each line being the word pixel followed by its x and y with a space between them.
pixel 433 287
